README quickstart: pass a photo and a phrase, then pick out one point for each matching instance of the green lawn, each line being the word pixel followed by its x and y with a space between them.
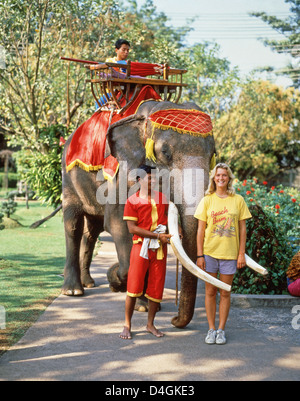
pixel 31 262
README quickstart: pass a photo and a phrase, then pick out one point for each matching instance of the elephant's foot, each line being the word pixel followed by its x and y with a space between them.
pixel 72 288
pixel 115 284
pixel 141 305
pixel 72 292
pixel 179 322
pixel 87 281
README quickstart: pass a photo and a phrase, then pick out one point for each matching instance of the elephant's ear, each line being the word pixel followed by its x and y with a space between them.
pixel 123 122
pixel 125 138
pixel 107 149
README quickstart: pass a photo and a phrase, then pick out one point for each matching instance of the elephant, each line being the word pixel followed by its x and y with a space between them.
pixel 85 217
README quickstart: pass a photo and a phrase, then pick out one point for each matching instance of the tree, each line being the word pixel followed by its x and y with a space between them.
pixel 290 28
pixel 155 41
pixel 211 80
pixel 1 221
pixel 260 135
pixel 7 156
pixel 37 88
pixel 39 93
pixel 43 98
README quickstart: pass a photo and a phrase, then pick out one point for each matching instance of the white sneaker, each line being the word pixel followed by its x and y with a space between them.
pixel 211 337
pixel 221 339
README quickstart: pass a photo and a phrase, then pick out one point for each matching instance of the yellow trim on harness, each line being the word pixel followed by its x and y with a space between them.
pixel 82 165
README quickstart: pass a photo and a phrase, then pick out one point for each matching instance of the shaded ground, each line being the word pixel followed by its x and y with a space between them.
pixel 77 339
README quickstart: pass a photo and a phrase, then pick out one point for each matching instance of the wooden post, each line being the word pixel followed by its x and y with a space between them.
pixel 166 71
pixel 128 69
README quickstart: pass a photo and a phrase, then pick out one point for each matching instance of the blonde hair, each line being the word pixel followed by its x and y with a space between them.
pixel 212 186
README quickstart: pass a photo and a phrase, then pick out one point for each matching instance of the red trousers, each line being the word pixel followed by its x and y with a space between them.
pixel 137 272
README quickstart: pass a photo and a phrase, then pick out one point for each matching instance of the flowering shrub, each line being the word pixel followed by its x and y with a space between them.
pixel 272 235
pixel 281 202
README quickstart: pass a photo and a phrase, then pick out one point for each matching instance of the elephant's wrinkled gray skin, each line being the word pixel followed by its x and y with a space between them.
pixel 85 218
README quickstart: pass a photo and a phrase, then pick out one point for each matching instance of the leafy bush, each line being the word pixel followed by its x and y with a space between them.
pixel 272 236
pixel 42 170
pixel 281 202
pixel 8 207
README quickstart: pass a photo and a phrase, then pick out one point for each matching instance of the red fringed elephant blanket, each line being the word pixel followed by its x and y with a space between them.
pixel 87 148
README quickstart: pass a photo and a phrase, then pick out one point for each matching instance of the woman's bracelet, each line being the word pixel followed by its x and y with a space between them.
pixel 200 256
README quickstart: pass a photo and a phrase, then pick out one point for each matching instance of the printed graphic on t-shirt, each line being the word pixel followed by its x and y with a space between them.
pixel 224 223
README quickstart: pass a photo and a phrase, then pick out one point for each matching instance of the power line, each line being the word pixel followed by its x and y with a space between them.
pixel 222 18
pixel 224 15
pixel 231 37
pixel 228 24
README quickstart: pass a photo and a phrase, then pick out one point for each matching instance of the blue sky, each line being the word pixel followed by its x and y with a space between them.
pixel 227 22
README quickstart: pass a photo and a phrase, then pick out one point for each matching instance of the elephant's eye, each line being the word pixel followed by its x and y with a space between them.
pixel 166 152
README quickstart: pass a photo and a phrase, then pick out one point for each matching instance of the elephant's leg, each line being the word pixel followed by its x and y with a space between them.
pixel 92 228
pixel 73 222
pixel 114 224
pixel 187 299
pixel 117 274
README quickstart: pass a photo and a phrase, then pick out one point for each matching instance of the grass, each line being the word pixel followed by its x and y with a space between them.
pixel 31 262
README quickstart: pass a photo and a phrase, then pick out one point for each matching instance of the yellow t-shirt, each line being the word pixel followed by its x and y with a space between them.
pixel 112 59
pixel 222 216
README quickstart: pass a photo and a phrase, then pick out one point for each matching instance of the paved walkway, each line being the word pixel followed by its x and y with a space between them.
pixel 77 339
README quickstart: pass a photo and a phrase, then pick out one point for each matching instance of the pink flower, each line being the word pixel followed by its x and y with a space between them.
pixel 294 200
pixel 277 207
pixel 273 188
pixel 248 192
pixel 265 182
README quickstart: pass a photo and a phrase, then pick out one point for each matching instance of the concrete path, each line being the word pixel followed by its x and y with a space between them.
pixel 77 339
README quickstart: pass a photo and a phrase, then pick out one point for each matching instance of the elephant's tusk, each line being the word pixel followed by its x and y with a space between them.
pixel 255 266
pixel 183 257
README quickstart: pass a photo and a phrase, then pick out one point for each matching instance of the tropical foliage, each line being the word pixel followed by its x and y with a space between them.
pixel 260 135
pixel 272 235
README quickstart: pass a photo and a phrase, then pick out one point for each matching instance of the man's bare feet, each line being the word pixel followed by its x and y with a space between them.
pixel 153 330
pixel 126 334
